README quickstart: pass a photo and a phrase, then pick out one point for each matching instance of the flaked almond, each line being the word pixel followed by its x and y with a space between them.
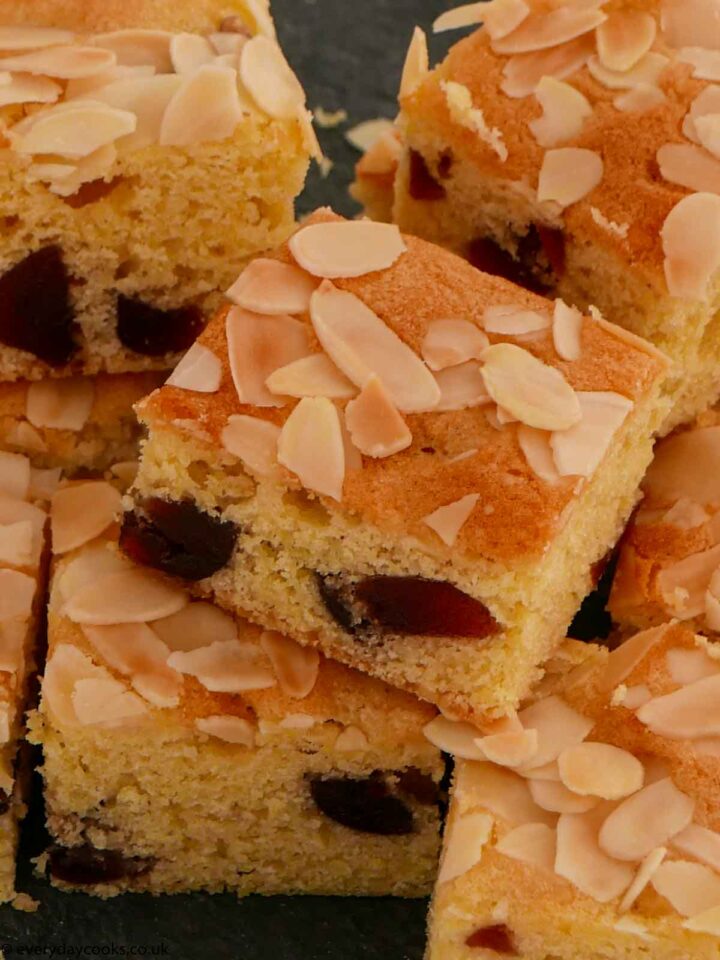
pixel 647 72
pixel 565 110
pixel 684 585
pixel 311 446
pixel 706 922
pixel 567 331
pixel 313 376
pixel 513 321
pixel 582 861
pixel 448 521
pixel 554 796
pixel 134 650
pixel 61 63
pixel 461 387
pixel 467 835
pixel 537 394
pixel 24 435
pixel 690 888
pixel 689 166
pixel 351 740
pixel 61 404
pixel 535 445
pixel 689 666
pixel 511 748
pixel 624 39
pixel 12 641
pixel 272 287
pixel 147 98
pixel 197 625
pixel 668 478
pixel 228 728
pixel 706 103
pixel 346 248
pixel 625 658
pixel 691 244
pixel 136 47
pixel 81 512
pixel 542 30
pixel 14 475
pixel 689 713
pixel 646 820
pixel 580 450
pixel 255 442
pixel 74 132
pixel 522 73
pixel 708 132
pixel 296 667
pixel 632 697
pixel 531 843
pixel 189 52
pixel 416 65
pixel 366 135
pixel 95 166
pixel 205 108
pixel 600 770
pixel 130 596
pixel 257 347
pixel 260 17
pixel 463 112
pixel 16 544
pixel 500 790
pixel 65 666
pixel 268 78
pixel 93 562
pixel 375 426
pixel 363 346
pixel 17 592
pixel 568 174
pixel 25 88
pixel 224 667
pixel 705 63
pixel 468 15
pixel 104 701
pixel 17 511
pixel 200 370
pixel 646 872
pixel 501 17
pixel 455 737
pixel 449 343
pixel 700 843
pixel 558 727
pixel 688 22
pixel 640 99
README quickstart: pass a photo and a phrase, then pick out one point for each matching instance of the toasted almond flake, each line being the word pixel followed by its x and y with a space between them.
pixel 705 63
pixel 689 713
pixel 531 843
pixel 311 446
pixel 227 45
pixel 254 441
pixel 139 48
pixel 271 287
pixel 522 73
pixel 313 376
pixel 269 80
pixel 687 22
pixel 567 331
pixel 16 511
pixel 513 321
pixel 84 86
pixel 624 38
pixel 17 592
pixel 558 726
pixel 366 135
pixel 581 861
pixel 690 888
pixel 261 17
pixel 25 88
pixel 346 248
pixel 449 520
pixel 188 52
pixel 535 445
pixel 160 689
pixel 712 611
pixel 468 15
pixel 600 770
pixel 296 667
pixel 466 838
pixel 14 475
pixel 640 99
pixel 542 30
pixel 511 748
pixel 16 543
pixel 553 796
pixel 700 843
pixel 129 596
pixel 706 922
pixel 65 666
pixel 75 132
pixel 224 667
pixel 81 512
pixel 374 424
pixel 565 110
pixel 694 168
pixel 648 819
pixel 568 174
pixel 417 64
pixel 624 659
pixel 62 404
pixel 454 737
pixel 64 183
pixel 199 370
pixel 197 625
pixel 148 98
pixel 12 640
pixel 206 107
pixel 351 739
pixel 668 478
pixel 382 158
pixel 708 132
pixel 684 585
pixel 461 387
pixel 500 17
pixel 449 343
pixel 22 434
pixel 105 702
pixel 134 650
pixel 537 394
pixel 632 697
pixel 92 563
pixel 646 72
pixel 362 346
pixel 706 102
pixel 643 877
pixel 498 789
pixel 689 666
pixel 465 114
pixel 61 63
pixel 580 450
pixel 228 728
pixel 257 347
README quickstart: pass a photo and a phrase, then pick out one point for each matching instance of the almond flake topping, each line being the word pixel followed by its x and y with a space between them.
pixel 707 103
pixel 363 346
pixel 199 370
pixel 448 521
pixel 468 15
pixel 691 243
pixel 643 877
pixel 105 702
pixel 537 394
pixel 311 446
pixel 272 287
pixel 581 861
pixel 580 450
pixel 542 30
pixel 74 130
pixel 63 404
pixel 254 441
pixel 24 88
pixel 646 72
pixel 417 64
pixel 522 73
pixel 700 843
pixel 224 667
pixel 567 331
pixel 532 843
pixel 689 666
pixel 81 512
pixel 503 792
pixel 147 98
pixel 555 797
pixel 269 80
pixel 565 110
pixel 26 436
pixel 689 166
pixel 347 248
pixel 600 770
pixel 454 737
pixel 32 38
pixel 686 714
pixel 558 727
pixel 511 748
pixel 668 478
pixel 197 625
pixel 646 820
pixel 640 99
pixel 61 63
pixel 206 107
pixel 313 376
pixel 625 658
pixel 14 475
pixel 135 651
pixel 690 22
pixel 375 426
pixel 467 836
pixel 624 38
pixel 134 48
pixel 296 667
pixel 461 388
pixel 366 135
pixel 16 544
pixel 460 105
pixel 706 922
pixel 535 445
pixel 65 666
pixel 514 321
pixel 189 52
pixel 690 887
pixel 228 728
pixel 130 596
pixel 705 63
pixel 568 174
pixel 449 343
pixel 17 591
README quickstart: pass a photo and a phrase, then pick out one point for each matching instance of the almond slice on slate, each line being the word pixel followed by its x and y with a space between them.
pixel 375 426
pixel 296 667
pixel 535 445
pixel 600 770
pixel 581 861
pixel 624 39
pixel 271 287
pixel 32 38
pixel 689 166
pixel 200 370
pixel 522 73
pixel 580 450
pixel 648 819
pixel 148 98
pixel 461 387
pixel 689 666
pixel 367 135
pixel 205 108
pixel 691 244
pixel 134 47
pixel 416 65
pixel 513 321
pixel 690 888
pixel 16 543
pixel 467 835
pixel 542 30
pixel 643 877
pixel 84 86
pixel 197 625
pixel 362 345
pixel 24 88
pixel 684 585
pixel 313 376
pixel 449 343
pixel 565 110
pixel 224 667
pixel 347 248
pixel 448 521
pixel 700 843
pixel 75 132
pixel 105 702
pixel 531 843
pixel 501 791
pixel 62 404
pixel 647 72
pixel 455 737
pixel 311 446
pixel 60 63
pixel 567 331
pixel 268 78
pixel 130 596
pixel 14 475
pixel 537 394
pixel 558 726
pixel 228 728
pixel 17 591
pixel 188 52
pixel 689 713
pixel 228 44
pixel 255 442
pixel 553 796
pixel 568 174
pixel 257 347
pixel 81 512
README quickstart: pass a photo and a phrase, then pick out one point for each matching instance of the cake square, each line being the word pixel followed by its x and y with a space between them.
pixel 187 750
pixel 115 173
pixel 588 826
pixel 566 146
pixel 415 481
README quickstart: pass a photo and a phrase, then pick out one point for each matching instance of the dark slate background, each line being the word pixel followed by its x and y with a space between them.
pixel 349 55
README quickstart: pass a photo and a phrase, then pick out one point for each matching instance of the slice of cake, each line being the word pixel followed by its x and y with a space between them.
pixel 669 561
pixel 22 590
pixel 187 750
pixel 74 423
pixel 570 147
pixel 397 459
pixel 130 131
pixel 587 826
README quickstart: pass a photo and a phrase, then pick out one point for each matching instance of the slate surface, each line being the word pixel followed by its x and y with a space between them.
pixel 348 55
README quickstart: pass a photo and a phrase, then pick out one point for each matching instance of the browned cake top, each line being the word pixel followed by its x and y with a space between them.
pixel 453 436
